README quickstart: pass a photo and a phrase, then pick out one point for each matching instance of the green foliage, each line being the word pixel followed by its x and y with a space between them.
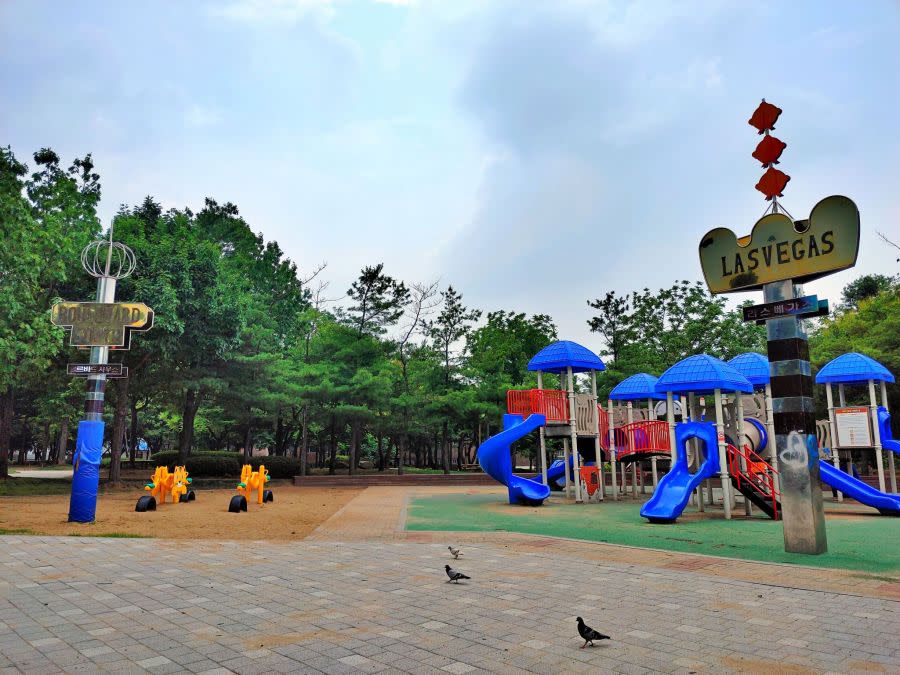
pixel 215 464
pixel 863 288
pixel 649 331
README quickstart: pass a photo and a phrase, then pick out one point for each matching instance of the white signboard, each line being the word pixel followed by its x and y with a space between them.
pixel 853 428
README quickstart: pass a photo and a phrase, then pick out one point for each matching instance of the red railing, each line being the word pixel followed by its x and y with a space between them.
pixel 759 474
pixel 646 436
pixel 552 403
pixel 603 418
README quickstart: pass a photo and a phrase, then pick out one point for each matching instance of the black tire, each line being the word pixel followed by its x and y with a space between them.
pixel 238 503
pixel 268 496
pixel 145 503
pixel 189 496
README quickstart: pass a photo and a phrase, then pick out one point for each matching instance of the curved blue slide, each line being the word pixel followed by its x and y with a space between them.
pixel 674 489
pixel 495 460
pixel 888 505
pixel 884 426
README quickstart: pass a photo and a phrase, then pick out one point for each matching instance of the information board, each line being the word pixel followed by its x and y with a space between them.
pixel 853 429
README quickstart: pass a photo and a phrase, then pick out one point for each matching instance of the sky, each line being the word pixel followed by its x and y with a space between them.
pixel 532 154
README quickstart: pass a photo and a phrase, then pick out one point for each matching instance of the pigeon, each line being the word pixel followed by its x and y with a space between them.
pixel 454 575
pixel 455 552
pixel 588 634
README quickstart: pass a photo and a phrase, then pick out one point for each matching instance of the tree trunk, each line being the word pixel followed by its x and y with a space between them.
pixel 134 431
pixel 380 452
pixel 248 443
pixel 401 450
pixel 351 459
pixel 62 442
pixel 115 442
pixel 189 413
pixel 333 459
pixel 304 440
pixel 445 447
pixel 6 417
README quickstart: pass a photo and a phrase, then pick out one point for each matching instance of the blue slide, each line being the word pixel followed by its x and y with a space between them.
pixel 888 505
pixel 674 489
pixel 884 426
pixel 494 458
pixel 556 474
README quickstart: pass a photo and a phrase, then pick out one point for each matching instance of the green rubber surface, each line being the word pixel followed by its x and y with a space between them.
pixel 858 538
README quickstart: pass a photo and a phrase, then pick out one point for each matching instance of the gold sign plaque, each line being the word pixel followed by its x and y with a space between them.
pixel 779 249
pixel 101 324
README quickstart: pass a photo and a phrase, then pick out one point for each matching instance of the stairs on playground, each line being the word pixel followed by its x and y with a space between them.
pixel 756 479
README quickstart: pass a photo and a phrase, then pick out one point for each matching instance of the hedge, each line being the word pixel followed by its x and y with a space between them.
pixel 227 464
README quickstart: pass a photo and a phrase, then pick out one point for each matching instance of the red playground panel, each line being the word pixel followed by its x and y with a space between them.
pixel 552 403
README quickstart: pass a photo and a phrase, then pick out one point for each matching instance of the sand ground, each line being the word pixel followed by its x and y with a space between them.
pixel 293 514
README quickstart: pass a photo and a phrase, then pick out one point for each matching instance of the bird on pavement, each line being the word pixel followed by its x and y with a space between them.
pixel 588 634
pixel 455 552
pixel 454 575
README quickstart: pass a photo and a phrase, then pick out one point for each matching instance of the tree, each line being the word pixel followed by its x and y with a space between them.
pixel 379 301
pixel 612 323
pixel 864 287
pixel 452 325
pixel 42 236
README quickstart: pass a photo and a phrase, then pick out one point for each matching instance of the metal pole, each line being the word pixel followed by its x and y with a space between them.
pixel 739 400
pixel 611 432
pixel 832 429
pixel 573 432
pixel 795 426
pixel 630 417
pixel 541 431
pixel 597 454
pixel 879 455
pixel 650 417
pixel 723 460
pixel 891 468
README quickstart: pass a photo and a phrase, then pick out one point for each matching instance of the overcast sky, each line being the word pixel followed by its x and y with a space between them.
pixel 533 154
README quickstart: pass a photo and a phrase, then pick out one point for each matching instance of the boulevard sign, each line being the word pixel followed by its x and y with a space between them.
pixel 111 370
pixel 102 324
pixel 808 306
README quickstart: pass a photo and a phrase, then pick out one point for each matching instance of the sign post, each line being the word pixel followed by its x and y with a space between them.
pixel 779 253
pixel 99 326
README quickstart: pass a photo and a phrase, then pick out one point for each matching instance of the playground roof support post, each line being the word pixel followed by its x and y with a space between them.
pixel 612 448
pixel 670 418
pixel 598 458
pixel 739 423
pixel 652 459
pixel 876 434
pixel 891 468
pixel 832 427
pixel 543 440
pixel 723 459
pixel 630 413
pixel 573 434
pixel 770 427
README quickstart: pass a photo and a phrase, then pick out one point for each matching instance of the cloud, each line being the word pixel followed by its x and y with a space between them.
pixel 198 116
pixel 269 10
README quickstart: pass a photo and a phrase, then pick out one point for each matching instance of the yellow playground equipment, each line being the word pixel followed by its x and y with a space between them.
pixel 177 484
pixel 251 480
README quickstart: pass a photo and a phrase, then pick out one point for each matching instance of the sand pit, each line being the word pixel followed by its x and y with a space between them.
pixel 294 514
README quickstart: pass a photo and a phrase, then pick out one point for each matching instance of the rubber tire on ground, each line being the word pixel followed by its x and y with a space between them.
pixel 145 503
pixel 189 496
pixel 268 496
pixel 238 503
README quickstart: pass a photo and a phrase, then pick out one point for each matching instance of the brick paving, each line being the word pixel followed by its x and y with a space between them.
pixel 361 596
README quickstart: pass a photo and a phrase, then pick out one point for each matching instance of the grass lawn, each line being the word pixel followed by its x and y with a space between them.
pixel 16 487
pixel 857 542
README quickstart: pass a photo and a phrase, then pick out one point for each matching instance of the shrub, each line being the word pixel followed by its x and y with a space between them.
pixel 217 464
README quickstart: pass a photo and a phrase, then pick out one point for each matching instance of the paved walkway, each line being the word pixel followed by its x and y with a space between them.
pixel 344 602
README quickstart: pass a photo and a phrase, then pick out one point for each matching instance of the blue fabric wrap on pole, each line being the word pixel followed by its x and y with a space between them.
pixel 86 476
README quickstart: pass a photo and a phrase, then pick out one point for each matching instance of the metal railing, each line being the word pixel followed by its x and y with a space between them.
pixel 759 474
pixel 645 436
pixel 552 403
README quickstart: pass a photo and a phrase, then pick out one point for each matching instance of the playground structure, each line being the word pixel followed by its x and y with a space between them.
pixel 732 399
pixel 556 413
pixel 176 484
pixel 251 480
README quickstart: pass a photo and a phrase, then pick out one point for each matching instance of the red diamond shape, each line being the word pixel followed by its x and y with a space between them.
pixel 769 150
pixel 765 116
pixel 772 183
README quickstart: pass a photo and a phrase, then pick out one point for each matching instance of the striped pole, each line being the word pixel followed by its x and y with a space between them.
pixel 795 428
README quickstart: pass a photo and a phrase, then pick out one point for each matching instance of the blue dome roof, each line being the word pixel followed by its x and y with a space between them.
pixel 753 366
pixel 556 357
pixel 635 388
pixel 702 374
pixel 853 367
